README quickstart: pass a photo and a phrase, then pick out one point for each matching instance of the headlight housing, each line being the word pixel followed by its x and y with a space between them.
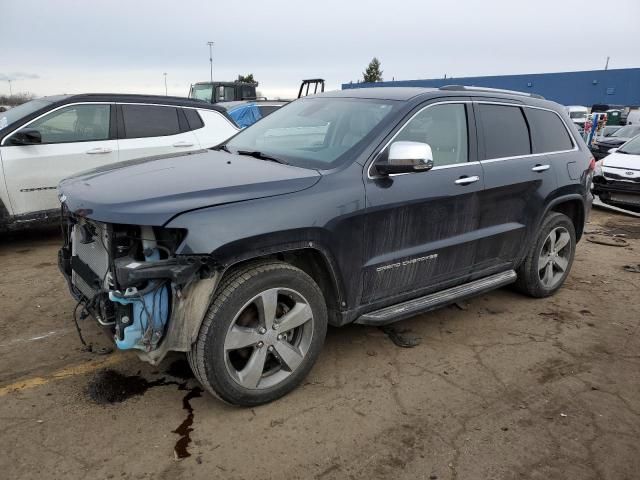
pixel 597 171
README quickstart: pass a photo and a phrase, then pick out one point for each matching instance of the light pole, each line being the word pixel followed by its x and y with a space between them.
pixel 211 59
pixel 165 84
pixel 10 89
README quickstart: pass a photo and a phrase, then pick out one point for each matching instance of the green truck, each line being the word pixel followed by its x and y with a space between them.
pixel 215 92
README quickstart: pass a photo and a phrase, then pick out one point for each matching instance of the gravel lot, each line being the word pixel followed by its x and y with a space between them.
pixel 504 387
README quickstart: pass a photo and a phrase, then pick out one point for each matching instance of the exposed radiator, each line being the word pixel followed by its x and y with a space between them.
pixel 90 260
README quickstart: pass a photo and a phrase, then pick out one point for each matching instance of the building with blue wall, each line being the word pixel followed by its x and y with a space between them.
pixel 612 87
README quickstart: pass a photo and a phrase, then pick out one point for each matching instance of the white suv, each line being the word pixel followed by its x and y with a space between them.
pixel 50 138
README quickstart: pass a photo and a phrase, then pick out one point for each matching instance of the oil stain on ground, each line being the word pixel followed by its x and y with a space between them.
pixel 185 428
pixel 108 387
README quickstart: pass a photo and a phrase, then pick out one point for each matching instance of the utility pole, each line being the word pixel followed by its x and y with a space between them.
pixel 211 58
pixel 606 66
pixel 165 84
pixel 10 90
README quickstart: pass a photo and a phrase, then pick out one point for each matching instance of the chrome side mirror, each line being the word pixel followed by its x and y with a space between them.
pixel 407 157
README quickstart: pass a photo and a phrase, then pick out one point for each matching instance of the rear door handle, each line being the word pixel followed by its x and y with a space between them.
pixel 467 180
pixel 99 151
pixel 182 144
pixel 540 168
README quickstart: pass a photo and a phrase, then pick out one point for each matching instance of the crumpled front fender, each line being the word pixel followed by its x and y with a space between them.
pixel 188 311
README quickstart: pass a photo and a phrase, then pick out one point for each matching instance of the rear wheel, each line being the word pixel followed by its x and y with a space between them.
pixel 550 257
pixel 261 335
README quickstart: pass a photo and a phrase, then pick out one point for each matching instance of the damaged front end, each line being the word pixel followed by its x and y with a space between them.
pixel 129 279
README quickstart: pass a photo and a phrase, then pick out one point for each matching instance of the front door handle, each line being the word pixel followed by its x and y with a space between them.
pixel 99 151
pixel 467 180
pixel 540 168
pixel 182 144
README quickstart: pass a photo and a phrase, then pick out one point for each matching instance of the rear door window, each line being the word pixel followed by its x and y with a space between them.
pixel 548 132
pixel 141 121
pixel 505 131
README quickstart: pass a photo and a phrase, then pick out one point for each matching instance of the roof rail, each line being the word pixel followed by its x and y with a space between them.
pixel 490 90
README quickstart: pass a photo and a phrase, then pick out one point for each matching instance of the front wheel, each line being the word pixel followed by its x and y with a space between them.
pixel 261 335
pixel 549 258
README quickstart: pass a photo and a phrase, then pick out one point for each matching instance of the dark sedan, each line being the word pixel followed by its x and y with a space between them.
pixel 600 148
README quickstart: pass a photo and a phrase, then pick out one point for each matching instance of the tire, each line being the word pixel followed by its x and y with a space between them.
pixel 261 335
pixel 533 274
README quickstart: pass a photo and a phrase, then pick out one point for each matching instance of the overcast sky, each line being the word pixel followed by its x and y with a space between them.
pixel 67 46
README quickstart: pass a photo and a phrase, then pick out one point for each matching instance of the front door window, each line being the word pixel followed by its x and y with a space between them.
pixel 75 123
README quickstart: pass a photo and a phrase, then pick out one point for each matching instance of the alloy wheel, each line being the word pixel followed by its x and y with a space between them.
pixel 554 257
pixel 268 338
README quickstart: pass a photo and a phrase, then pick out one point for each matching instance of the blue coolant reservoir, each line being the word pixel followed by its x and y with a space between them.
pixel 150 309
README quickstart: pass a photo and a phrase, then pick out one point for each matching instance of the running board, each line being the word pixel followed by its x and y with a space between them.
pixel 409 308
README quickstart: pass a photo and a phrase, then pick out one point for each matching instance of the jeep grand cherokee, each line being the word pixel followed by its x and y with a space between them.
pixel 366 206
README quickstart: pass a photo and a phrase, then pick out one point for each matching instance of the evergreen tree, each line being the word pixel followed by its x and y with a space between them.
pixel 247 79
pixel 373 72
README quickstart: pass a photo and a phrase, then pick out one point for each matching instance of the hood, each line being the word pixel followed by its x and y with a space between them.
pixel 612 142
pixel 151 191
pixel 622 160
pixel 621 166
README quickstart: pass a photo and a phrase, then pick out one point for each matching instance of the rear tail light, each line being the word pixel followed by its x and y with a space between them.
pixel 592 164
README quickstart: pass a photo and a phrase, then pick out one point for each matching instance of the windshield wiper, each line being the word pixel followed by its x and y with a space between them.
pixel 223 147
pixel 261 156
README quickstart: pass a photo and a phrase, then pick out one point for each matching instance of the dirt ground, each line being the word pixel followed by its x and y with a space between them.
pixel 504 387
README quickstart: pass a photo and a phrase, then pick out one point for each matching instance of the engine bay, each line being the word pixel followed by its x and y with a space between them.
pixel 126 277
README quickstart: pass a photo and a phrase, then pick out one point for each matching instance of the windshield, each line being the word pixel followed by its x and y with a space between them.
pixel 202 92
pixel 578 114
pixel 16 113
pixel 632 147
pixel 313 132
pixel 610 130
pixel 627 132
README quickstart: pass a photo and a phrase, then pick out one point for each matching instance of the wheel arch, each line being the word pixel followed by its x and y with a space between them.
pixel 310 257
pixel 573 206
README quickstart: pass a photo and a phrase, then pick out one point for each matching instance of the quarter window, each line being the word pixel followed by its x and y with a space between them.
pixel 141 121
pixel 548 133
pixel 505 131
pixel 444 128
pixel 75 123
pixel 193 118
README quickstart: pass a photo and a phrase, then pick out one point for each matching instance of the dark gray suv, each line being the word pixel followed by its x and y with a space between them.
pixel 365 205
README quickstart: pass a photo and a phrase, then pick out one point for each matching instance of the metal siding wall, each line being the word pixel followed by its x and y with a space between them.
pixel 615 87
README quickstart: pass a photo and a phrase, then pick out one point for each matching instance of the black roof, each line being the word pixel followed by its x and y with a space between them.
pixel 55 101
pixel 422 93
pixel 381 93
pixel 137 98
